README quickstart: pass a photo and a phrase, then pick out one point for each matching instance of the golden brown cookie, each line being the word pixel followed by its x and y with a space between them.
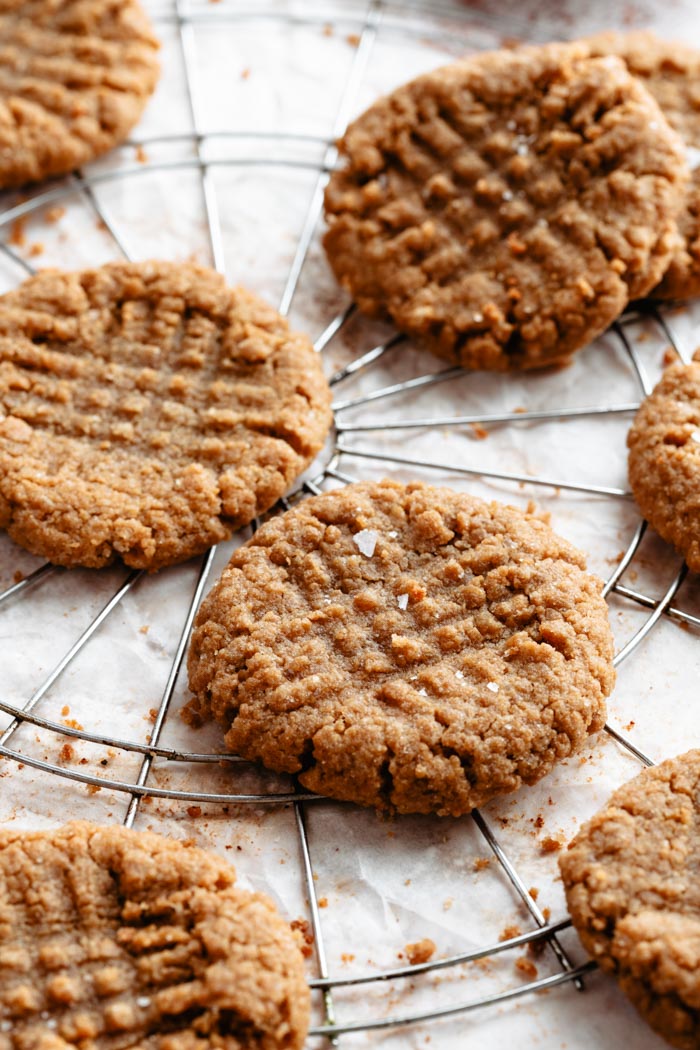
pixel 112 938
pixel 146 411
pixel 504 209
pixel 74 79
pixel 664 459
pixel 404 647
pixel 671 72
pixel 632 887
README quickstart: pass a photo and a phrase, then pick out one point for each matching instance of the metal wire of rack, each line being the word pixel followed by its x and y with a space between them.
pixel 344 456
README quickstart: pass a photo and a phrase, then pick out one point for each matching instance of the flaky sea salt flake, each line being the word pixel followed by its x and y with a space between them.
pixel 402 600
pixel 492 686
pixel 366 541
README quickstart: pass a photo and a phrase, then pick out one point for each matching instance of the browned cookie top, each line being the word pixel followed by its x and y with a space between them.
pixel 146 411
pixel 504 209
pixel 74 79
pixel 112 939
pixel 671 72
pixel 664 459
pixel 405 647
pixel 631 880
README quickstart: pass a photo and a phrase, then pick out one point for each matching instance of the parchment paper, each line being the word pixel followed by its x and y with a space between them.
pixel 381 884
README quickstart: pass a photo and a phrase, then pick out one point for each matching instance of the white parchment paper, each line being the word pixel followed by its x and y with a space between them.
pixel 284 67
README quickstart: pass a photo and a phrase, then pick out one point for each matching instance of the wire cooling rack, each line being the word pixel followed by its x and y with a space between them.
pixel 372 406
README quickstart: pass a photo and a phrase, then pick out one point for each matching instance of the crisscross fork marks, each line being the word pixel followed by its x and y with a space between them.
pixel 73 82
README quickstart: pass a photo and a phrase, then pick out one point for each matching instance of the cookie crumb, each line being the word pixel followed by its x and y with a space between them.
pixel 18 236
pixel 304 934
pixel 526 967
pixel 55 213
pixel 420 951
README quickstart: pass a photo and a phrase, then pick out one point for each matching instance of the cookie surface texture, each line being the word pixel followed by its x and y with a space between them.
pixel 111 938
pixel 504 209
pixel 146 411
pixel 631 884
pixel 670 71
pixel 404 647
pixel 664 459
pixel 74 79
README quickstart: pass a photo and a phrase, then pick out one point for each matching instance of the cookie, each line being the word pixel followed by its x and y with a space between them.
pixel 504 209
pixel 631 881
pixel 74 79
pixel 112 938
pixel 146 411
pixel 671 73
pixel 664 459
pixel 404 647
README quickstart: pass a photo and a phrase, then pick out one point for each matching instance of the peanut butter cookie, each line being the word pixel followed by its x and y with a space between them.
pixel 404 647
pixel 112 938
pixel 671 72
pixel 504 209
pixel 74 79
pixel 664 459
pixel 146 411
pixel 631 881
